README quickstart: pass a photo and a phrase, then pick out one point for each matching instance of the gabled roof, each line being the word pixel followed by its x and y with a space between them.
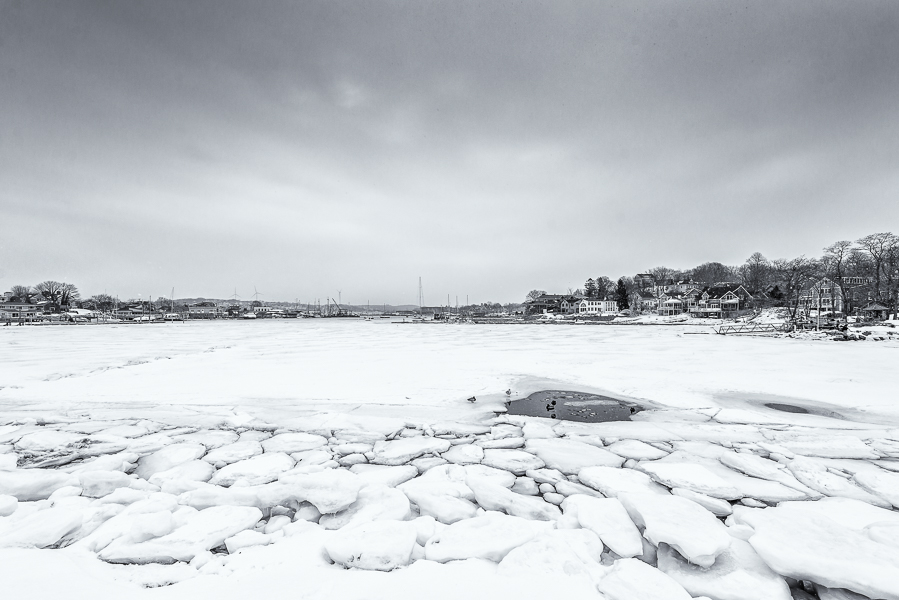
pixel 875 306
pixel 719 290
pixel 646 295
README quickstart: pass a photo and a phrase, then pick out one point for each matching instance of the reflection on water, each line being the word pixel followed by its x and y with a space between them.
pixel 574 406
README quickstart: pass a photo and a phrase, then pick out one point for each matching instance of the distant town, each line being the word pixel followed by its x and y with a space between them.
pixel 856 281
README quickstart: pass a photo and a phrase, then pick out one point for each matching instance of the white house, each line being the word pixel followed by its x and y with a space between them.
pixel 592 306
pixel 824 295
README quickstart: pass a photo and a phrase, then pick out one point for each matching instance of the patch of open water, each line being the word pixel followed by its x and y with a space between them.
pixel 574 406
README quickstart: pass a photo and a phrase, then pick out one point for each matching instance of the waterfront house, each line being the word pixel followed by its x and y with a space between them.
pixel 721 301
pixel 824 295
pixel 592 306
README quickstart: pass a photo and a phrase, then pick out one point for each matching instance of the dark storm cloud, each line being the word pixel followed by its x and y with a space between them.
pixel 488 147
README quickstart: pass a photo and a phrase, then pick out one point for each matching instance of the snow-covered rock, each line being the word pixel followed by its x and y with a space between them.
pixel 257 470
pixel 607 518
pixel 376 545
pixel 168 457
pixel 632 579
pixel 374 503
pixel 402 451
pixel 800 544
pixel 204 530
pixel 737 574
pixel 490 536
pixel 491 496
pixel 686 526
pixel 570 456
pixel 293 442
pixel 611 482
pixel 514 461
pixel 464 454
pixel 33 484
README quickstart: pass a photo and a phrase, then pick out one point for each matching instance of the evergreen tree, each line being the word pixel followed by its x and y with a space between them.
pixel 621 295
pixel 590 288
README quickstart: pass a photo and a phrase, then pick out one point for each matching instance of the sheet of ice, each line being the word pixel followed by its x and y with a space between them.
pixel 514 461
pixel 247 539
pixel 96 484
pixel 210 438
pixel 330 491
pixel 569 553
pixel 383 474
pixel 204 530
pixel 192 470
pixel 446 499
pixel 883 484
pixel 632 579
pixel 816 476
pixel 716 506
pixel 33 484
pixel 374 503
pixel 833 446
pixel 763 468
pixel 231 453
pixel 293 442
pixel 8 505
pixel 47 440
pixel 41 528
pixel 535 429
pixel 691 476
pixel 682 524
pixel 738 574
pixel 490 536
pixel 854 514
pixel 376 545
pixel 798 543
pixel 611 482
pixel 570 456
pixel 636 450
pixel 401 451
pixel 257 470
pixel 607 518
pixel 168 457
pixel 464 454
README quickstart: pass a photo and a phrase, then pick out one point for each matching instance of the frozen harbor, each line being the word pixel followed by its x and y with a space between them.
pixel 343 459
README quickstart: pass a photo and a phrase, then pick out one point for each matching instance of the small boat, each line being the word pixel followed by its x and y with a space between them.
pixel 248 315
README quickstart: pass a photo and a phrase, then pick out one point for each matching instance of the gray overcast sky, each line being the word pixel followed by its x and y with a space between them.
pixel 488 147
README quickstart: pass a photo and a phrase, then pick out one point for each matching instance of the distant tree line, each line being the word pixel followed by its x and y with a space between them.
pixel 866 269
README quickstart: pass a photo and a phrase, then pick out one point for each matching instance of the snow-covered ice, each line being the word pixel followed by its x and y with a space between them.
pixel 110 455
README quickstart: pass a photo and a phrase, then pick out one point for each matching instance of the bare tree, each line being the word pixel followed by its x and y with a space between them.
pixel 878 246
pixel 711 273
pixel 58 294
pixel 755 272
pixel 796 274
pixel 661 274
pixel 22 293
pixel 533 295
pixel 834 265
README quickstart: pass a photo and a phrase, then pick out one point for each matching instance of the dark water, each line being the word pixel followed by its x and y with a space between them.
pixel 787 408
pixel 574 406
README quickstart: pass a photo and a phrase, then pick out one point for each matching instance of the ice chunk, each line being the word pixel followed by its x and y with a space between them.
pixel 496 497
pixel 257 470
pixel 830 446
pixel 192 470
pixel 210 438
pixel 607 518
pixel 716 506
pixel 246 539
pixel 383 474
pixel 611 482
pixel 490 536
pixel 636 450
pixel 168 457
pixel 33 484
pixel 401 451
pixel 691 476
pixel 120 461
pixel 8 461
pixel 352 448
pixel 763 468
pixel 880 483
pixel 293 442
pixel 464 454
pixel 374 503
pixel 8 505
pixel 816 476
pixel 546 475
pixel 147 526
pixel 444 499
pixel 96 484
pixel 569 488
pixel 41 528
pixel 514 461
pixel 854 514
pixel 632 579
pixel 501 444
pixel 557 553
pixel 738 574
pixel 47 440
pixel 204 530
pixel 497 476
pixel 798 543
pixel 330 491
pixel 377 545
pixel 686 526
pixel 537 430
pixel 570 456
pixel 825 593
pixel 525 486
